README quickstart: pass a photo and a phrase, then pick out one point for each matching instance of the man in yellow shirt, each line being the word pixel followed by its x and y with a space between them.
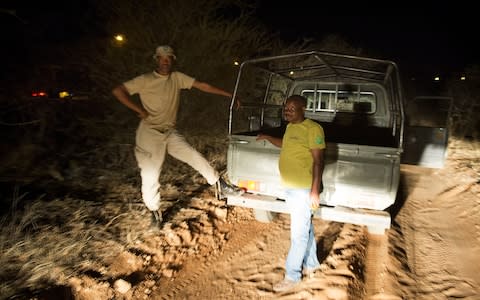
pixel 301 167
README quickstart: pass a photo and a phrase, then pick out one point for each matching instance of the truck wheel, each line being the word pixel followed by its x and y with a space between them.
pixel 264 216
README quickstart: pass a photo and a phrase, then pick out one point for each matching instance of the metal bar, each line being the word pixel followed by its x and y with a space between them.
pixel 370 218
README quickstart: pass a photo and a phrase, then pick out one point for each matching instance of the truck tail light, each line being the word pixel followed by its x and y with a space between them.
pixel 250 185
pixel 39 94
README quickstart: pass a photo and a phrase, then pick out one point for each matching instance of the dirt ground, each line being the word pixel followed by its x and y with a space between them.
pixel 207 250
pixel 429 253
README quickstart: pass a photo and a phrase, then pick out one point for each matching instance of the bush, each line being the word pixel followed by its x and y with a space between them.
pixel 466 103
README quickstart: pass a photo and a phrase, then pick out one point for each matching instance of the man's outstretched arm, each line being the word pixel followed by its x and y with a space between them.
pixel 207 88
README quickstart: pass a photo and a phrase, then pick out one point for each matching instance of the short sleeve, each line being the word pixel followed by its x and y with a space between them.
pixel 135 85
pixel 185 81
pixel 316 138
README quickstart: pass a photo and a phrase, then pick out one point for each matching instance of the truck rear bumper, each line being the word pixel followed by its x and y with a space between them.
pixel 376 221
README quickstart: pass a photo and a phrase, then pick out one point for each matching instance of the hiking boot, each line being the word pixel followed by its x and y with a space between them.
pixel 285 285
pixel 226 189
pixel 156 220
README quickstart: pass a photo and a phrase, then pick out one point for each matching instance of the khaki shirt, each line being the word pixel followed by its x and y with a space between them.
pixel 160 95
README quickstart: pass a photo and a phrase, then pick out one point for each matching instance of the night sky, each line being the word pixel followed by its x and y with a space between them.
pixel 427 39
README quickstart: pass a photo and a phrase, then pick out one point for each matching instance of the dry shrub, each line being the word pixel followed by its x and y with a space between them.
pixel 206 41
pixel 47 241
pixel 466 104
pixel 50 241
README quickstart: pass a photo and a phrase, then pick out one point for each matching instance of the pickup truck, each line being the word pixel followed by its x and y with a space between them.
pixel 358 101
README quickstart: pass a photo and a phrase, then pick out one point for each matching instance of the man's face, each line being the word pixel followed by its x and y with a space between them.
pixel 294 111
pixel 164 64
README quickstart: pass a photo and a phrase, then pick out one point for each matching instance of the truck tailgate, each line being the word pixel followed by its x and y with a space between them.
pixel 355 176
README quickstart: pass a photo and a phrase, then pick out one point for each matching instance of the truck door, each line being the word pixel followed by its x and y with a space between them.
pixel 427 132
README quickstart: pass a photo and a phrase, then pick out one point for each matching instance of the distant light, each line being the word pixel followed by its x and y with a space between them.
pixel 463 78
pixel 437 78
pixel 119 39
pixel 39 94
pixel 63 94
pixel 236 63
pixel 291 73
pixel 413 79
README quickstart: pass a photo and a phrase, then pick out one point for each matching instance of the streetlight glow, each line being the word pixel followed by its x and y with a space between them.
pixel 119 40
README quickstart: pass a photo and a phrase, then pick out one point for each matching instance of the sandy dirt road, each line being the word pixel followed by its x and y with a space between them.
pixel 441 224
pixel 429 253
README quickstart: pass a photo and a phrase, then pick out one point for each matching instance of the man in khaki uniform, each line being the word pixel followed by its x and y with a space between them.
pixel 156 136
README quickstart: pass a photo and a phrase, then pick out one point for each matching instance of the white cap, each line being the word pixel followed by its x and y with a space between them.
pixel 164 50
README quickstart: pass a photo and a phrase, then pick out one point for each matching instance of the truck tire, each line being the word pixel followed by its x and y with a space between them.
pixel 264 216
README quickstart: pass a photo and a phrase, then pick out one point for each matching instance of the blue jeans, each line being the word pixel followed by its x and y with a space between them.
pixel 303 246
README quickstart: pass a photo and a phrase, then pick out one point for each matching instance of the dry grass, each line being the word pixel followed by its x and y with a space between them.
pixel 464 156
pixel 466 104
pixel 49 241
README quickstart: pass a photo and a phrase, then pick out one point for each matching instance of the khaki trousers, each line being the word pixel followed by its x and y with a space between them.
pixel 152 144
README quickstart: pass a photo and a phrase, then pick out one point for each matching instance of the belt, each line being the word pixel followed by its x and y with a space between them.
pixel 164 130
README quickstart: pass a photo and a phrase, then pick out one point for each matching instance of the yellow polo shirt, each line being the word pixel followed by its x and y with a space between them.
pixel 296 159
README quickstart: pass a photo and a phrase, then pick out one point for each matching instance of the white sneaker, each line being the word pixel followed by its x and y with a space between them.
pixel 285 285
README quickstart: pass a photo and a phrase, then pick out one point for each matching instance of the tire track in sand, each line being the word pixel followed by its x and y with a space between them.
pixel 253 260
pixel 446 245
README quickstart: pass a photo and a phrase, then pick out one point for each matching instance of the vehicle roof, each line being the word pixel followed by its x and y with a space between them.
pixel 329 66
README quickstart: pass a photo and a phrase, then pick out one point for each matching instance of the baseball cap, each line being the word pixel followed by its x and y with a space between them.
pixel 164 50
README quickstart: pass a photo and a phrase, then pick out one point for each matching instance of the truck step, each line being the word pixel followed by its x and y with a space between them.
pixel 376 221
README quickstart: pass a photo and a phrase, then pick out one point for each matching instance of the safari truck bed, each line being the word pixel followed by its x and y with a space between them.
pixel 359 103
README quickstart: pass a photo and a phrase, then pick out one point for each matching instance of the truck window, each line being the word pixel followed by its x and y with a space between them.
pixel 343 101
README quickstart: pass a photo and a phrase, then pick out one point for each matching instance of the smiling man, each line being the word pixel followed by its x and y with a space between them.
pixel 301 167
